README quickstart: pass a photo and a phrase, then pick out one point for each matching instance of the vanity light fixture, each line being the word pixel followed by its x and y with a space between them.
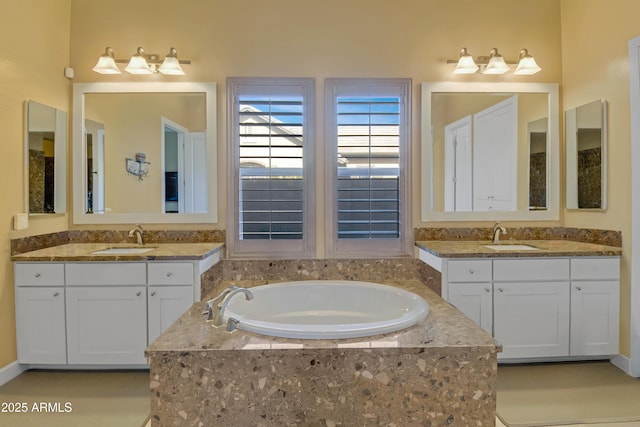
pixel 141 63
pixel 494 63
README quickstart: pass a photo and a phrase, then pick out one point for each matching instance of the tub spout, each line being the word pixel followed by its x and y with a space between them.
pixel 212 304
pixel 219 304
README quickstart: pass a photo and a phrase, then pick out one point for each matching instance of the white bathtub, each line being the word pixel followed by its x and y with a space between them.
pixel 326 309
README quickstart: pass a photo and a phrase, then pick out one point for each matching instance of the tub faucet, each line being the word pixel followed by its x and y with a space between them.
pixel 497 230
pixel 218 305
pixel 137 231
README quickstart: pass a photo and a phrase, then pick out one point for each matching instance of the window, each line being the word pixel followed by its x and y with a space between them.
pixel 368 133
pixel 271 137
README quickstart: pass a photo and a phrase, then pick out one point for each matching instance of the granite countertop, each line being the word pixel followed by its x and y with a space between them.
pixel 83 252
pixel 546 248
pixel 444 327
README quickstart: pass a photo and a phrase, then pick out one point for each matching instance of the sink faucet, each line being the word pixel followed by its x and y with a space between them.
pixel 497 230
pixel 137 231
pixel 217 306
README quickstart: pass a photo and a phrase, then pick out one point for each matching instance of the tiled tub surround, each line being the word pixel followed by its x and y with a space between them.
pixel 439 372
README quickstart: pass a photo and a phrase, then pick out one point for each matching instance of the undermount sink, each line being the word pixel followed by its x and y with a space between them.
pixel 511 247
pixel 123 250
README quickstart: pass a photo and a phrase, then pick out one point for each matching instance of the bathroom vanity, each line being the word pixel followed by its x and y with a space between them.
pixel 76 307
pixel 542 300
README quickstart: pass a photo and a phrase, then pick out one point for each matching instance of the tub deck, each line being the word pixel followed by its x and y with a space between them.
pixel 441 371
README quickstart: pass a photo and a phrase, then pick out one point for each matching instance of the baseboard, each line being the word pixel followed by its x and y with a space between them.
pixel 11 371
pixel 621 362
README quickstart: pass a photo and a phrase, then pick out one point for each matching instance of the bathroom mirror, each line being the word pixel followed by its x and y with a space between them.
pixel 490 151
pixel 144 153
pixel 586 142
pixel 45 152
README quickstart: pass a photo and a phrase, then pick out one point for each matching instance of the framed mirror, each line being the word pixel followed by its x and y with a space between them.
pixel 490 151
pixel 144 153
pixel 45 153
pixel 586 142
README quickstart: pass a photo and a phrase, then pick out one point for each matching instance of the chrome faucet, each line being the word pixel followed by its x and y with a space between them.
pixel 217 305
pixel 137 231
pixel 497 230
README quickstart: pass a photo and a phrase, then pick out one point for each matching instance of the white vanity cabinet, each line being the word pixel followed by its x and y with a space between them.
pixel 538 308
pixel 531 307
pixel 595 296
pixel 40 313
pixel 470 290
pixel 100 313
pixel 169 295
pixel 106 313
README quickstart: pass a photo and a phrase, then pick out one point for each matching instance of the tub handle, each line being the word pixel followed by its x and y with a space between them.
pixel 232 324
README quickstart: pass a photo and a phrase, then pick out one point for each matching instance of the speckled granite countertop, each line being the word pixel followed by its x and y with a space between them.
pixel 83 252
pixel 444 327
pixel 546 248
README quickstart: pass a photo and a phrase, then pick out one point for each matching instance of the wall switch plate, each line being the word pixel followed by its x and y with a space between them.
pixel 20 221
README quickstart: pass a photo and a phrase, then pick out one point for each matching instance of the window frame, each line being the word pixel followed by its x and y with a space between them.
pixel 380 247
pixel 268 248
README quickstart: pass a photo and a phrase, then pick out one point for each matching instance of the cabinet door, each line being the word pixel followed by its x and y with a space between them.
pixel 475 301
pixel 166 305
pixel 40 325
pixel 595 318
pixel 531 319
pixel 106 325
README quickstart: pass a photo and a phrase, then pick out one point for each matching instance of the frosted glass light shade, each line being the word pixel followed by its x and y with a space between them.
pixel 171 66
pixel 106 63
pixel 466 64
pixel 138 64
pixel 496 64
pixel 527 64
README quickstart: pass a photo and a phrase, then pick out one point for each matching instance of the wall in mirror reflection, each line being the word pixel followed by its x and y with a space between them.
pixel 45 150
pixel 586 156
pixel 169 128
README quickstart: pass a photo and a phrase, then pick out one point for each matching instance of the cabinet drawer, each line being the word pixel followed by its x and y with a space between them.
pixel 171 273
pixel 39 274
pixel 595 268
pixel 478 270
pixel 106 273
pixel 531 269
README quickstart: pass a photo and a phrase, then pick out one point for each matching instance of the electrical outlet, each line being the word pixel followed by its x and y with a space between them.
pixel 20 221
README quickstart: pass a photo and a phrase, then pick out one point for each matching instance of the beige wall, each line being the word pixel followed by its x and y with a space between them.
pixel 331 38
pixel 35 50
pixel 595 66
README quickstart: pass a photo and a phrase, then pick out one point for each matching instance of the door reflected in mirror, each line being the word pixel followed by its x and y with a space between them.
pixel 45 150
pixel 586 139
pixel 490 150
pixel 484 141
